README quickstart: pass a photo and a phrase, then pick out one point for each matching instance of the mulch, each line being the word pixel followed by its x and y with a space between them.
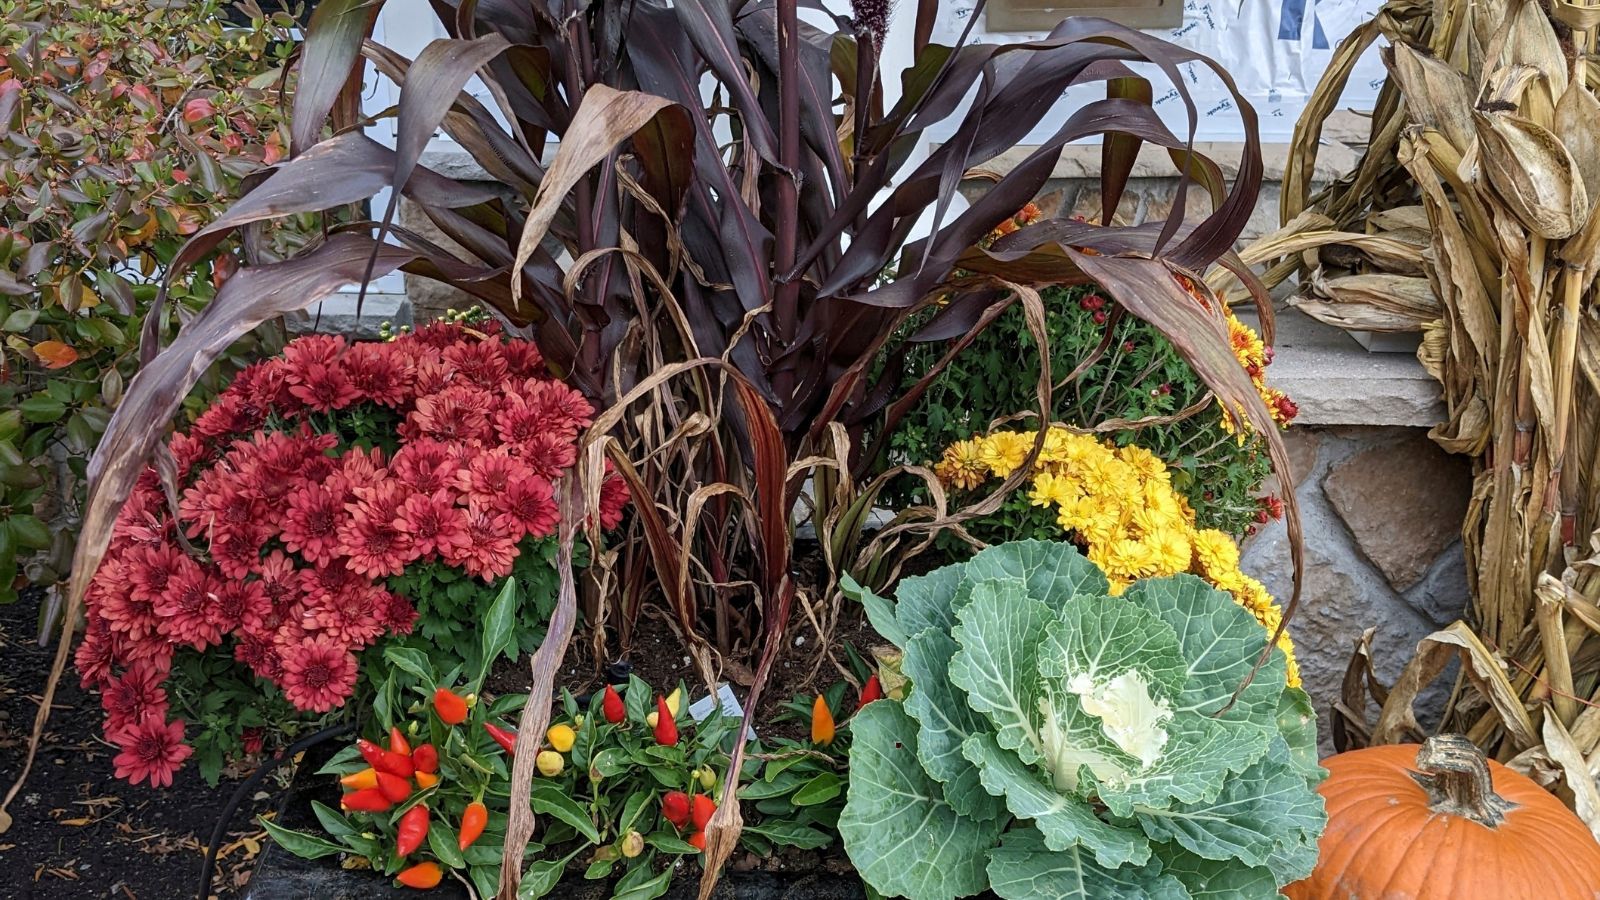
pixel 79 832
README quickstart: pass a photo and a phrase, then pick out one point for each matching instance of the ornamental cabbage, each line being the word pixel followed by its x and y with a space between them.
pixel 1059 742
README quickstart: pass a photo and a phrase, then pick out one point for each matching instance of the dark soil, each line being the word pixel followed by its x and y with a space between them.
pixel 657 655
pixel 79 832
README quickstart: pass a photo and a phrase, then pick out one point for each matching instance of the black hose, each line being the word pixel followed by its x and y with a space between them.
pixel 208 868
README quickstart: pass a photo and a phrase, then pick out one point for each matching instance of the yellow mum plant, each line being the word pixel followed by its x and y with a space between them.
pixel 1119 504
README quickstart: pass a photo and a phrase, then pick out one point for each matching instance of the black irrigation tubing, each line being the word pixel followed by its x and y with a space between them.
pixel 208 867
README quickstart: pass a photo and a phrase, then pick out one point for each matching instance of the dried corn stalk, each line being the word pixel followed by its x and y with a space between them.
pixel 1471 219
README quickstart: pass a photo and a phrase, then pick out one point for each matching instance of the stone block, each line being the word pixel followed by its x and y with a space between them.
pixel 1342 597
pixel 1404 503
pixel 338 315
pixel 1442 594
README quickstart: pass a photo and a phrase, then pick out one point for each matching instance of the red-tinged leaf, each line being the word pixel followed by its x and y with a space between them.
pixel 1120 149
pixel 604 120
pixel 709 24
pixel 55 354
pixel 342 170
pixel 328 61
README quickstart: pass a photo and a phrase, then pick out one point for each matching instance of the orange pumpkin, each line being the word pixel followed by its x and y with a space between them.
pixel 1439 822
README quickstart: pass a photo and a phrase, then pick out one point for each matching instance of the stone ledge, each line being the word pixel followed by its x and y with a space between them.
pixel 1335 381
pixel 1078 161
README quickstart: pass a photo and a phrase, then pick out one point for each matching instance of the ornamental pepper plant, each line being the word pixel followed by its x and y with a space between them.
pixel 337 505
pixel 615 800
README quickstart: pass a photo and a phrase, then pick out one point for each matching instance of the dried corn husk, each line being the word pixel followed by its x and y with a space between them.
pixel 1379 302
pixel 1485 147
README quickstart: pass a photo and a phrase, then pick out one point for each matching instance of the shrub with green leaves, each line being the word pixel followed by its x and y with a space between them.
pixel 124 128
pixel 1139 375
pixel 1059 742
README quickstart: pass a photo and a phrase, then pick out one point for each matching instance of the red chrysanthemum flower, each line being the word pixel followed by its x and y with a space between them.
pixel 460 412
pixel 439 334
pixel 548 454
pixel 491 544
pixel 523 358
pixel 318 674
pixel 369 539
pixel 126 699
pixel 311 522
pixel 362 466
pixel 268 387
pixel 151 749
pixel 323 387
pixel 229 415
pixel 242 604
pixel 563 409
pixel 311 350
pixel 430 374
pixel 187 452
pixel 186 611
pixel 396 612
pixel 95 653
pixel 530 503
pixel 613 500
pixel 149 569
pixel 280 580
pixel 489 474
pixel 433 523
pixel 378 373
pixel 237 554
pixel 426 466
pixel 260 654
pixel 351 618
pixel 479 362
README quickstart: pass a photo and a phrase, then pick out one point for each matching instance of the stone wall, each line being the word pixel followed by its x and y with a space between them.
pixel 1382 509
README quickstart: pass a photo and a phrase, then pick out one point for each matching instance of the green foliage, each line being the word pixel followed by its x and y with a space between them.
pixel 1139 375
pixel 605 802
pixel 1060 742
pixel 451 605
pixel 123 128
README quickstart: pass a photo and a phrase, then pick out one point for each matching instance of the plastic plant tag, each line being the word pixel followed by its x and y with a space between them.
pixel 701 708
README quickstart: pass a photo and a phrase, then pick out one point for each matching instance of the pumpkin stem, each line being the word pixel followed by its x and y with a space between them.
pixel 1456 777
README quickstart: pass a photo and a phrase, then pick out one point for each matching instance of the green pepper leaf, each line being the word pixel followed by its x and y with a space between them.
pixel 549 800
pixel 305 846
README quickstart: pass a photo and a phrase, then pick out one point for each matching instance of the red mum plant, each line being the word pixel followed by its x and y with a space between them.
pixel 312 487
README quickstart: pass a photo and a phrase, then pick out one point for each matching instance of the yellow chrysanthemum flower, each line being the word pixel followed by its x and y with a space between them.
pixel 1148 465
pixel 1004 451
pixel 961 466
pixel 1170 551
pixel 1216 552
pixel 1119 504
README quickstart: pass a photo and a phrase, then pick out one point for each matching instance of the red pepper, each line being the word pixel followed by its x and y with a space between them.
pixel 422 875
pixel 394 788
pixel 472 822
pixel 397 741
pixel 365 800
pixel 451 708
pixel 385 760
pixel 698 841
pixel 425 758
pixel 675 808
pixel 611 706
pixel 704 809
pixel 870 691
pixel 666 728
pixel 413 828
pixel 506 739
